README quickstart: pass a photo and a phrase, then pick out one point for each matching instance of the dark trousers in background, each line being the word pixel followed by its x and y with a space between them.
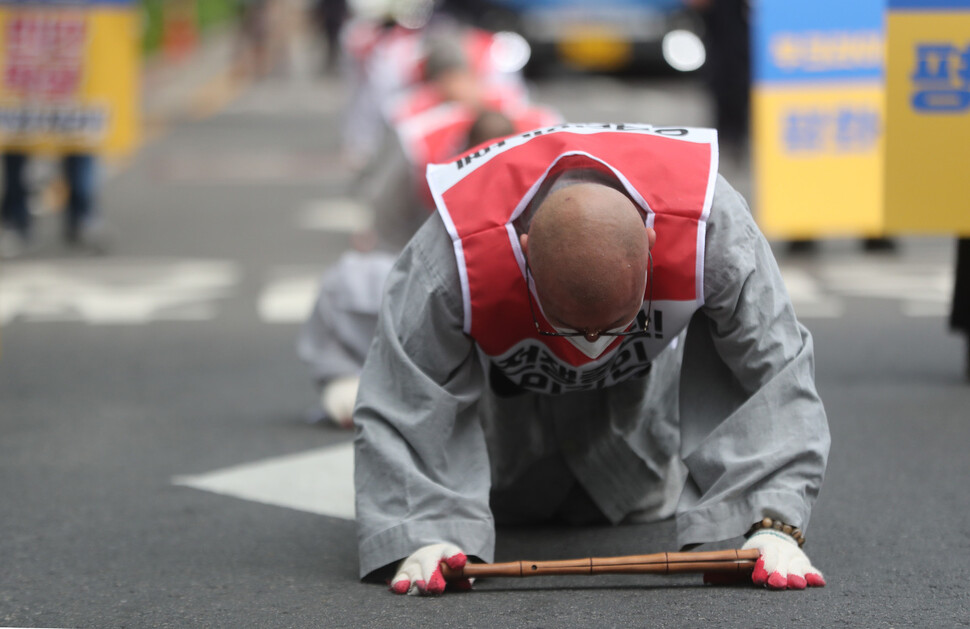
pixel 960 312
pixel 80 173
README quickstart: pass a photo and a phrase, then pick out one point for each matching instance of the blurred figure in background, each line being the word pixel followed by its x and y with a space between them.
pixel 256 49
pixel 82 226
pixel 960 312
pixel 428 120
pixel 329 17
pixel 334 340
pixel 380 57
pixel 396 71
pixel 435 92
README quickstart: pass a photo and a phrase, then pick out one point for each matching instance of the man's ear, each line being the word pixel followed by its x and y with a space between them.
pixel 524 243
pixel 651 237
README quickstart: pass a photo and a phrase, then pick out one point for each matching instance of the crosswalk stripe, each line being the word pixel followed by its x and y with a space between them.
pixel 342 215
pixel 116 291
pixel 130 291
pixel 318 481
pixel 288 299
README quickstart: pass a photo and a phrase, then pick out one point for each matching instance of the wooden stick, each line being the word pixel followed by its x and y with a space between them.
pixel 730 561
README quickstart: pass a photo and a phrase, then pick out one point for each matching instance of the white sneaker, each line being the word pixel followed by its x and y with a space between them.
pixel 337 400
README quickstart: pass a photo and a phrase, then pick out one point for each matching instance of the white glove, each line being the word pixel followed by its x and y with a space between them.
pixel 421 572
pixel 782 564
pixel 337 399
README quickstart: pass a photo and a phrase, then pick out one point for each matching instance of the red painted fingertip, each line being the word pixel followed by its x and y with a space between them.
pixel 437 583
pixel 777 581
pixel 760 575
pixel 456 561
pixel 421 585
pixel 796 582
pixel 815 580
pixel 401 587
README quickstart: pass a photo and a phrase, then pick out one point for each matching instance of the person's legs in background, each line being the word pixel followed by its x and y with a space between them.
pixel 14 212
pixel 81 222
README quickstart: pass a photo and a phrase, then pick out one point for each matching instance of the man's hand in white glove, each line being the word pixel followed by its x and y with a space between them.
pixel 337 398
pixel 421 572
pixel 782 564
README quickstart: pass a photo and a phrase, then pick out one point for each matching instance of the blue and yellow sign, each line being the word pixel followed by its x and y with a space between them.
pixel 818 116
pixel 928 104
pixel 68 75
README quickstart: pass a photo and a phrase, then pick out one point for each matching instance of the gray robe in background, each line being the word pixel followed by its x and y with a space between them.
pixel 727 427
pixel 334 340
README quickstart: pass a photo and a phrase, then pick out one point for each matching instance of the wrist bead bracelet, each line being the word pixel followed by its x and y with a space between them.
pixel 778 525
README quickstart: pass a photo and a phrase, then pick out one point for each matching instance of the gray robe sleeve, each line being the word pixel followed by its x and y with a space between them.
pixel 422 471
pixel 754 435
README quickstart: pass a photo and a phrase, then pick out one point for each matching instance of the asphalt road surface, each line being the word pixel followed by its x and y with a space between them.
pixel 157 468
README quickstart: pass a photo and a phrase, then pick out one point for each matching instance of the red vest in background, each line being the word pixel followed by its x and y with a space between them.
pixel 669 172
pixel 441 133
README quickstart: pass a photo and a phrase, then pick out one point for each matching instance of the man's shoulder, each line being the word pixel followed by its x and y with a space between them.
pixel 431 250
pixel 728 205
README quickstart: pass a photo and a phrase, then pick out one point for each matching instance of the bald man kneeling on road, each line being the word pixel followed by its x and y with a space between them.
pixel 591 329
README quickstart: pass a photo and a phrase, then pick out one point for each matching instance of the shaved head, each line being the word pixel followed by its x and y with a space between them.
pixel 587 249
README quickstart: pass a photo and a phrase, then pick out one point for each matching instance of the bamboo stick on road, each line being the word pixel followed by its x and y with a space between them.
pixel 722 561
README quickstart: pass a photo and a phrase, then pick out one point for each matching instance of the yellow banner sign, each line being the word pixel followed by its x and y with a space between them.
pixel 818 159
pixel 928 142
pixel 69 77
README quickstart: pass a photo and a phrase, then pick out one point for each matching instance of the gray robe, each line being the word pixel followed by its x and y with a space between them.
pixel 727 427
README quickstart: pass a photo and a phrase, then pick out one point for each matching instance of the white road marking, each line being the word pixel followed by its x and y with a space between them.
pixel 115 291
pixel 807 296
pixel 341 215
pixel 916 309
pixel 922 290
pixel 906 282
pixel 319 481
pixel 131 291
pixel 290 297
pixel 251 168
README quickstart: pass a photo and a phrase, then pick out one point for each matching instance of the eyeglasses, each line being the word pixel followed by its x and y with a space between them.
pixel 639 331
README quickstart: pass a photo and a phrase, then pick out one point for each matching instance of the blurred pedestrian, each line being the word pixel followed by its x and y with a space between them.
pixel 334 340
pixel 454 108
pixel 329 17
pixel 380 59
pixel 254 54
pixel 430 122
pixel 82 226
pixel 960 311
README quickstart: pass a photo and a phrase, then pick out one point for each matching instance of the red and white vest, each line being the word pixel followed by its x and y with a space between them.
pixel 669 172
